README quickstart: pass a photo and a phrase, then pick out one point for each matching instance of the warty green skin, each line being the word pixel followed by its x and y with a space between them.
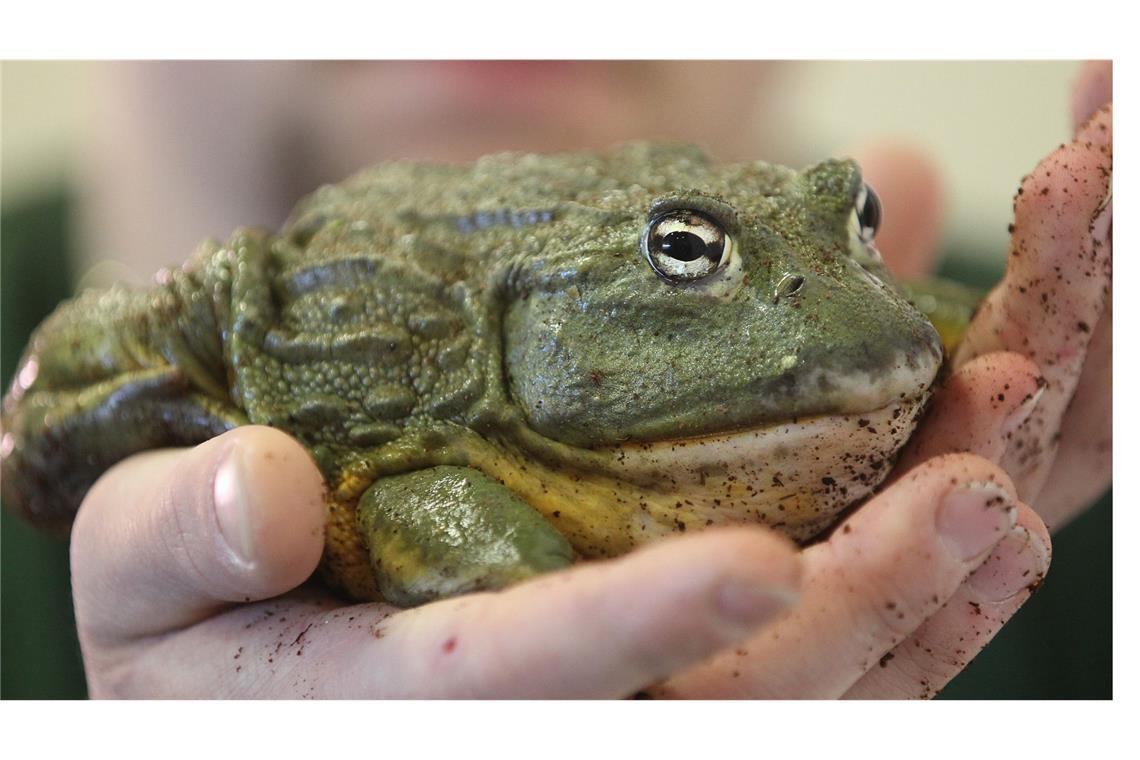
pixel 410 315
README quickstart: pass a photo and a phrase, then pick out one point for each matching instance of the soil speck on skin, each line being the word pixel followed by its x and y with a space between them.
pixel 264 615
pixel 378 629
pixel 885 659
pixel 301 635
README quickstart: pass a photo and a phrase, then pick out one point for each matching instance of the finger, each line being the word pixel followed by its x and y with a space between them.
pixel 603 629
pixel 948 641
pixel 977 410
pixel 885 570
pixel 909 186
pixel 1092 90
pixel 169 537
pixel 1082 469
pixel 1054 290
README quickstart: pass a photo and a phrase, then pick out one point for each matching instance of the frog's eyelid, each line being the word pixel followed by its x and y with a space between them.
pixel 719 211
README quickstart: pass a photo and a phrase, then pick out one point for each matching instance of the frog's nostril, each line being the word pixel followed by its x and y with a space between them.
pixel 789 285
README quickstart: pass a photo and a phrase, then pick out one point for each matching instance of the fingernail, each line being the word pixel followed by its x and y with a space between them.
pixel 747 604
pixel 973 518
pixel 1019 415
pixel 231 506
pixel 1016 563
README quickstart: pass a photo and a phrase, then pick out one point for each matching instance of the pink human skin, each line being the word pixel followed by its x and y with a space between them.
pixel 1054 306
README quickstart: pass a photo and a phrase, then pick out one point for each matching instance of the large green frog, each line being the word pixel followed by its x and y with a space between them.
pixel 505 366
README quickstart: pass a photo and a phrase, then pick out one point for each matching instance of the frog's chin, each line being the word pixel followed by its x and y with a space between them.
pixel 795 476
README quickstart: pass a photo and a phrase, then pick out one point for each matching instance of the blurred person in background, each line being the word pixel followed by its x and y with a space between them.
pixel 232 144
pixel 188 150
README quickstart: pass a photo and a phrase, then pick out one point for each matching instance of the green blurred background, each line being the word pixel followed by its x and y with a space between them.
pixel 986 123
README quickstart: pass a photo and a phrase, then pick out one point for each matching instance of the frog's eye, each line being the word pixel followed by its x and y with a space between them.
pixel 684 246
pixel 868 212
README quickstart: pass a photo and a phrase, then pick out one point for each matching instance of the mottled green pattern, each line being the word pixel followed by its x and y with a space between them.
pixel 416 316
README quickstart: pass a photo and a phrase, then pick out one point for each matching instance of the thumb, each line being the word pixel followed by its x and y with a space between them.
pixel 167 538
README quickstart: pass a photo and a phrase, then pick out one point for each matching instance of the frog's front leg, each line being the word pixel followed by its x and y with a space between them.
pixel 449 530
pixel 111 374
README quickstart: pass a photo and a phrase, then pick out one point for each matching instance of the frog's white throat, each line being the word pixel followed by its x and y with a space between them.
pixel 794 476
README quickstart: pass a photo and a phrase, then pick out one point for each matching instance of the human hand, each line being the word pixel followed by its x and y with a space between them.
pixel 186 565
pixel 900 597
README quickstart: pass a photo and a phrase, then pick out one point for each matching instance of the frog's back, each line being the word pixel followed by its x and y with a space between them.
pixel 507 192
pixel 503 181
pixel 376 315
pixel 366 320
pixel 352 337
pixel 368 317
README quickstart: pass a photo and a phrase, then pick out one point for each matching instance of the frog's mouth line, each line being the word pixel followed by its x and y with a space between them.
pixel 808 386
pixel 864 436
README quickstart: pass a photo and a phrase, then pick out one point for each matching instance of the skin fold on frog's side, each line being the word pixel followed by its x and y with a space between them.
pixel 506 366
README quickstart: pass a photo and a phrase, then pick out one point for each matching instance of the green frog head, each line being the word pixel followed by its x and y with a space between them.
pixel 696 300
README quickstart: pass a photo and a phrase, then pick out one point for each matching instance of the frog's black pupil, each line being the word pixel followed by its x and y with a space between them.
pixel 871 215
pixel 683 246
